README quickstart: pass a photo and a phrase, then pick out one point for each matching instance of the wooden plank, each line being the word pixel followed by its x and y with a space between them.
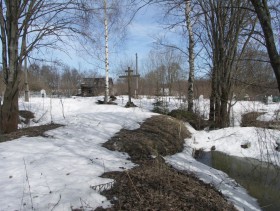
pixel 129 76
pixel 126 76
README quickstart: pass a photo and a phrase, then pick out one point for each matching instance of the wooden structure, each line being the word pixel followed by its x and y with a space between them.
pixel 129 76
pixel 95 86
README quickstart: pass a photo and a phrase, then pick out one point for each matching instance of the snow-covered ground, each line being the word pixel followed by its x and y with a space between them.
pixel 229 140
pixel 57 171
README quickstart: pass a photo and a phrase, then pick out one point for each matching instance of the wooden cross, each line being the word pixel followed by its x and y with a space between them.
pixel 129 76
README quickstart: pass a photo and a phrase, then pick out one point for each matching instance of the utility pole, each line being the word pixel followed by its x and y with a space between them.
pixel 106 54
pixel 136 90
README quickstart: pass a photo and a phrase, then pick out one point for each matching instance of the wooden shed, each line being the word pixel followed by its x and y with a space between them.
pixel 95 86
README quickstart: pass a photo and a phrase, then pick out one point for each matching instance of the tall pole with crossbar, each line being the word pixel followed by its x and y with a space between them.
pixel 129 76
pixel 136 90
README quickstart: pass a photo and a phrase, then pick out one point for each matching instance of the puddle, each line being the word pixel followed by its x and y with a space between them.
pixel 261 180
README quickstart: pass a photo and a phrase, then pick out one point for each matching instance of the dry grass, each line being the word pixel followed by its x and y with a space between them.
pixel 154 185
pixel 194 119
pixel 158 135
pixel 250 120
pixel 157 186
pixel 30 131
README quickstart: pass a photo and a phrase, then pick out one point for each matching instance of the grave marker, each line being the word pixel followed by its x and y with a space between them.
pixel 43 93
pixel 269 100
pixel 129 76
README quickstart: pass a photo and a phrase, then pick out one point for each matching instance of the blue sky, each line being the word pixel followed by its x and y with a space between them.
pixel 141 34
pixel 139 39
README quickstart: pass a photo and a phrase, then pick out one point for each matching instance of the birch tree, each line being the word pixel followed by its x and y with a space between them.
pixel 178 15
pixel 111 18
pixel 191 55
pixel 106 53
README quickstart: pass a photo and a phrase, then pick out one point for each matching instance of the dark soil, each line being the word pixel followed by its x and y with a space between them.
pixel 250 120
pixel 29 131
pixel 154 185
pixel 26 116
pixel 110 102
pixel 157 186
pixel 130 105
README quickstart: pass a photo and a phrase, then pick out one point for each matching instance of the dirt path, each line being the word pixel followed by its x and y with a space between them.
pixel 154 185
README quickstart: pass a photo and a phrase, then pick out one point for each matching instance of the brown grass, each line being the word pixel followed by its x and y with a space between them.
pixel 250 120
pixel 194 119
pixel 158 135
pixel 153 185
pixel 30 131
pixel 157 186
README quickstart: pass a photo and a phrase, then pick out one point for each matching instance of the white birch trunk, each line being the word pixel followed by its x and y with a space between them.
pixel 106 54
pixel 191 55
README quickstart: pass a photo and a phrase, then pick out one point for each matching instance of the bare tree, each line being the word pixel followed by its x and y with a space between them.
pixel 46 23
pixel 263 12
pixel 70 79
pixel 254 75
pixel 111 19
pixel 34 75
pixel 163 72
pixel 191 55
pixel 179 15
pixel 224 23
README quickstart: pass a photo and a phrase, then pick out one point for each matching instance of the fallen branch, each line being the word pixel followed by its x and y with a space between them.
pixel 102 187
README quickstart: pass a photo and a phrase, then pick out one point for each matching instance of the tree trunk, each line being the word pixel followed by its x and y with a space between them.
pixel 106 98
pixel 16 18
pixel 213 97
pixel 263 14
pixel 224 23
pixel 217 110
pixel 224 115
pixel 9 109
pixel 191 56
pixel 212 108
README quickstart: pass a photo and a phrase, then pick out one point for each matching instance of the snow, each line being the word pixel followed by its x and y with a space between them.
pixel 228 187
pixel 57 172
pixel 229 140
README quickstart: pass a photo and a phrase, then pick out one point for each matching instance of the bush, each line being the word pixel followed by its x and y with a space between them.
pixel 194 119
pixel 160 107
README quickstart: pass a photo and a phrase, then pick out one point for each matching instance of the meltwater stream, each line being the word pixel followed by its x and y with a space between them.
pixel 262 180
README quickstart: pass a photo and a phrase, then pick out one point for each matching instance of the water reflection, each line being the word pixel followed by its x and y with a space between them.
pixel 262 180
